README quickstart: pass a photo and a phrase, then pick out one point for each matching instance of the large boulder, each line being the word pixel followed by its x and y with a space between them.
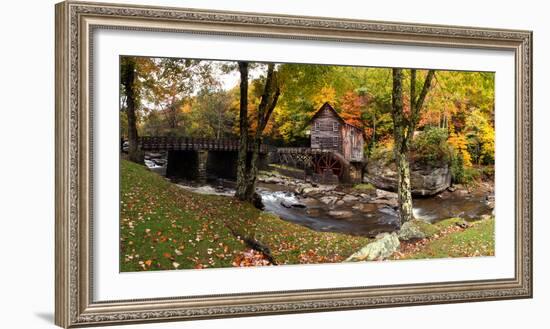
pixel 416 229
pixel 309 190
pixel 350 198
pixel 425 179
pixel 391 202
pixel 411 231
pixel 381 194
pixel 329 200
pixel 383 247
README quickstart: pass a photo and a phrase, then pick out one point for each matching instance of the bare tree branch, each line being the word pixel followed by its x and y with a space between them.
pixel 417 104
pixel 267 92
pixel 427 84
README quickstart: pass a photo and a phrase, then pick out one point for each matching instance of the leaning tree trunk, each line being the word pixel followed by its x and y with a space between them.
pixel 266 107
pixel 128 81
pixel 242 170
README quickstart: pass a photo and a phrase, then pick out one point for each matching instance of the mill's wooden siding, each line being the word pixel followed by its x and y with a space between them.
pixel 325 131
pixel 329 132
pixel 352 143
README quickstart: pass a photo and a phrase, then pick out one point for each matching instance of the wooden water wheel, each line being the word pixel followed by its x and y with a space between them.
pixel 327 162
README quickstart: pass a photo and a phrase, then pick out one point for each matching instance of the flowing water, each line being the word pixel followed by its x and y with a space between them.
pixel 316 215
pixel 364 221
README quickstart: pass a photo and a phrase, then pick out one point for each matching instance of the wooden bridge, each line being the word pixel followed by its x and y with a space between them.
pixel 199 158
pixel 168 143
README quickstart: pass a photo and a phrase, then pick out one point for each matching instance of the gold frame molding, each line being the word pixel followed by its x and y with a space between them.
pixel 75 22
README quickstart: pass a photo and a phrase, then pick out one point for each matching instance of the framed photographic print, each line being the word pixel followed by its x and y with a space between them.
pixel 215 164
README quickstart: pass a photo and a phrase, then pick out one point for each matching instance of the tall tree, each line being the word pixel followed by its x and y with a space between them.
pixel 210 113
pixel 404 125
pixel 169 84
pixel 351 108
pixel 247 171
pixel 267 104
pixel 128 81
pixel 242 168
pixel 306 86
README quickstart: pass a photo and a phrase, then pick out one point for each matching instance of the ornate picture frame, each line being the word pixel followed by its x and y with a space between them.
pixel 76 22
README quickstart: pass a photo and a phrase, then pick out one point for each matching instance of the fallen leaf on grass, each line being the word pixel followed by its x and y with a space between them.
pixel 250 257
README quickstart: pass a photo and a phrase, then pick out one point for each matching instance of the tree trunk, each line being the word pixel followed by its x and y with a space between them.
pixel 266 107
pixel 400 149
pixel 403 132
pixel 128 81
pixel 254 168
pixel 242 170
pixel 404 187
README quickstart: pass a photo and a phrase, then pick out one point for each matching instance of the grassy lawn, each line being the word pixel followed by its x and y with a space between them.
pixel 448 240
pixel 165 227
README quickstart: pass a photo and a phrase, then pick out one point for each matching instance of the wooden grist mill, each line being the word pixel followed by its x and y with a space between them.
pixel 336 151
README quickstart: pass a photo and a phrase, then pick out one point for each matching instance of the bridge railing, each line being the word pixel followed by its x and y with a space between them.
pixel 156 143
pixel 303 150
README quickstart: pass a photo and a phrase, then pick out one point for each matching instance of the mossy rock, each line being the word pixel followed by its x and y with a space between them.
pixel 381 248
pixel 417 229
pixel 411 230
pixel 364 187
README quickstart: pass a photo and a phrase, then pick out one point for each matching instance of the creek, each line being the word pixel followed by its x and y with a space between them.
pixel 362 216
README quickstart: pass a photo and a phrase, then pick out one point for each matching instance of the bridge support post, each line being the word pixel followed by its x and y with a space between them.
pixel 201 165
